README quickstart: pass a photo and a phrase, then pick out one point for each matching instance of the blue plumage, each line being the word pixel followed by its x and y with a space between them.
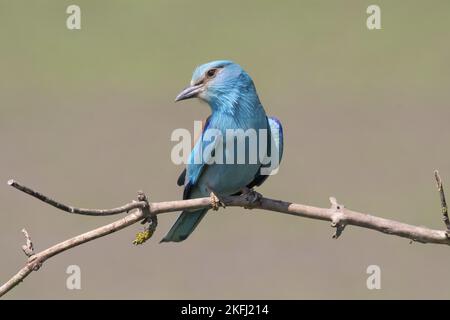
pixel 234 103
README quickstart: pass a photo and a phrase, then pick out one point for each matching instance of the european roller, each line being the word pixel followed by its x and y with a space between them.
pixel 230 93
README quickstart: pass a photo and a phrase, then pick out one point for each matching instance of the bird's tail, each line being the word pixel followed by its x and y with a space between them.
pixel 185 224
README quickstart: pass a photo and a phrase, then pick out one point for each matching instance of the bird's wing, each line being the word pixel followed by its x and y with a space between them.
pixel 275 137
pixel 194 170
pixel 276 130
pixel 182 178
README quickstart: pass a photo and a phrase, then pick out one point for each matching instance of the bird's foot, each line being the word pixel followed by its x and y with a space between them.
pixel 252 197
pixel 216 203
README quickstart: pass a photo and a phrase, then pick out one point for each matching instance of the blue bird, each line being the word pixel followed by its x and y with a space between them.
pixel 234 103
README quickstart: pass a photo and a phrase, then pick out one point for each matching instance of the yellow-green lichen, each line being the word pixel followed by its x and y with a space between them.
pixel 142 236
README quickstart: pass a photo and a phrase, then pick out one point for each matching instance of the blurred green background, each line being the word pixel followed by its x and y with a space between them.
pixel 86 117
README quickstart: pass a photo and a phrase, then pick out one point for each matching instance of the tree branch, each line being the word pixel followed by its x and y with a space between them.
pixel 444 209
pixel 337 214
pixel 88 212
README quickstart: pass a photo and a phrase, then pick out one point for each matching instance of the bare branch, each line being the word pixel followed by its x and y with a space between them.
pixel 444 209
pixel 88 212
pixel 36 260
pixel 337 214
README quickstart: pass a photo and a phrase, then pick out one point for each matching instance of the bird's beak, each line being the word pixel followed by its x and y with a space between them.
pixel 189 92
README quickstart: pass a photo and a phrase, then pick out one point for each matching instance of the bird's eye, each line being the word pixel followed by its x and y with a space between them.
pixel 211 73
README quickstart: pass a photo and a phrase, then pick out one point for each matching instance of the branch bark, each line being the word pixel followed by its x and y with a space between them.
pixel 146 212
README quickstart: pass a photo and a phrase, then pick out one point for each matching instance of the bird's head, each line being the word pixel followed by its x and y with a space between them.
pixel 222 84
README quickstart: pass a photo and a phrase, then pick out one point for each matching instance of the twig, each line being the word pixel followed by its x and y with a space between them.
pixel 444 209
pixel 88 212
pixel 338 215
pixel 28 247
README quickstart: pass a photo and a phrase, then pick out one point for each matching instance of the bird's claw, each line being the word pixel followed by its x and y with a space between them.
pixel 216 203
pixel 252 197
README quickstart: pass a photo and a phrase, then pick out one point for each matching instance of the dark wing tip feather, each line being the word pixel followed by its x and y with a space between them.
pixel 182 178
